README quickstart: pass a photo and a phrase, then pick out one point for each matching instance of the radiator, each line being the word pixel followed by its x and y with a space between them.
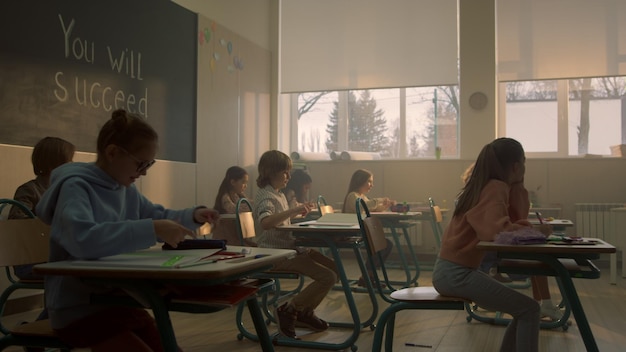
pixel 594 219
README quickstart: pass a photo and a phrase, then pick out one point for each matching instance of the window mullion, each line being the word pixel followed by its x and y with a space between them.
pixel 562 97
pixel 402 135
pixel 342 121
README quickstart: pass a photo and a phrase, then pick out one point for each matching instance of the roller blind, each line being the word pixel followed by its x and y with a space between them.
pixel 361 44
pixel 548 39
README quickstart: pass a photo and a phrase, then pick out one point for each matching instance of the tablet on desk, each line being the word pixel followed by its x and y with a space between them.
pixel 572 241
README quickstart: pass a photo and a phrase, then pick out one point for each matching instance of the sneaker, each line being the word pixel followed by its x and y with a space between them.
pixel 308 319
pixel 553 312
pixel 286 316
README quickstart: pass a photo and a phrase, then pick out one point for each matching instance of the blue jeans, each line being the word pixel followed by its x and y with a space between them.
pixel 522 333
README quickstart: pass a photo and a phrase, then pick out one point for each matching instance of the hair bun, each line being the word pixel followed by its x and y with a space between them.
pixel 118 114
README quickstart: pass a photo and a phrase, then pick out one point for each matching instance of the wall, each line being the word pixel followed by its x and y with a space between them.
pixel 249 19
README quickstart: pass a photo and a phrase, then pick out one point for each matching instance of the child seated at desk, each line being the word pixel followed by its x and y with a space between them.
pixel 540 288
pixel 297 189
pixel 95 210
pixel 492 201
pixel 361 183
pixel 48 154
pixel 232 188
pixel 271 210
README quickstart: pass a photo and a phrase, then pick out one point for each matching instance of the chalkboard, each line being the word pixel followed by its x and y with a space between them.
pixel 65 65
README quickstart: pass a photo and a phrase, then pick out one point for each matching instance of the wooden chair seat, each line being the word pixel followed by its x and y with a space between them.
pixel 35 334
pixel 39 328
pixel 25 242
pixel 31 281
pixel 423 294
pixel 421 297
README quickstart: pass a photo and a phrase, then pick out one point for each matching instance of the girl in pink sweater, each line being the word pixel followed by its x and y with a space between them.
pixel 493 200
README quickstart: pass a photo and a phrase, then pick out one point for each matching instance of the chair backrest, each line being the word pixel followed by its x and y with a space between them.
pixel 326 209
pixel 371 228
pixel 7 203
pixel 375 241
pixel 323 207
pixel 23 241
pixel 436 221
pixel 321 200
pixel 244 221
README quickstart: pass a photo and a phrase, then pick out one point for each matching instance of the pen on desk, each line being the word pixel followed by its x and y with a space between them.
pixel 417 345
pixel 539 217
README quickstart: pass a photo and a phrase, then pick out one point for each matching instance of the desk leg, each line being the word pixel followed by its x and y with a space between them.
pixel 623 262
pixel 613 268
pixel 259 325
pixel 405 265
pixel 163 321
pixel 574 301
pixel 413 256
pixel 370 289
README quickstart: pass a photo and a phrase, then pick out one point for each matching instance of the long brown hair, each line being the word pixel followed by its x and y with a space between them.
pixel 495 161
pixel 358 179
pixel 234 173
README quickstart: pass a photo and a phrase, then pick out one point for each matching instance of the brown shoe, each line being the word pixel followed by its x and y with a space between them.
pixel 286 316
pixel 308 319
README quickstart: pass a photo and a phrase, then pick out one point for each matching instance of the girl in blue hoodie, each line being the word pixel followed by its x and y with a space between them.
pixel 95 210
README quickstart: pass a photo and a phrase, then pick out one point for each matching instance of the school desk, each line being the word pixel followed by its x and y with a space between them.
pixel 335 237
pixel 146 282
pixel 403 221
pixel 555 259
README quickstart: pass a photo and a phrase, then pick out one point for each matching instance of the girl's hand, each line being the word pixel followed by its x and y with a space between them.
pixel 388 202
pixel 202 215
pixel 302 209
pixel 171 232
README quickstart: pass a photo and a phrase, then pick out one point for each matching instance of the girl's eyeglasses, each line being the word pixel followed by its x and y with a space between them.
pixel 142 165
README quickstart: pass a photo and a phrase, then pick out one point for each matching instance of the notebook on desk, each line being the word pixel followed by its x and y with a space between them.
pixel 155 259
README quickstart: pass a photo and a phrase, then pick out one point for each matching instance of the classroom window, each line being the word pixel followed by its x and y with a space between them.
pixel 395 123
pixel 561 118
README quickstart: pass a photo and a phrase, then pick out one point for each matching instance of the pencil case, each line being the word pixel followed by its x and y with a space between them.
pixel 197 244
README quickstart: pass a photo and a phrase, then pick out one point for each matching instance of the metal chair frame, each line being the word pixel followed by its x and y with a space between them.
pixel 424 297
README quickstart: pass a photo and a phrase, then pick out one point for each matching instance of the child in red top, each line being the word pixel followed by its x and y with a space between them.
pixel 493 200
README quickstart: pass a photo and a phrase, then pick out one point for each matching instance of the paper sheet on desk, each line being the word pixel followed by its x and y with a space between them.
pixel 153 259
pixel 333 219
